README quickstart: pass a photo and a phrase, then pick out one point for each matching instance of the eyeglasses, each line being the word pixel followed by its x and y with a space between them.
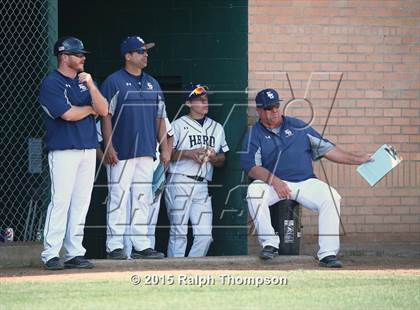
pixel 199 91
pixel 270 108
pixel 78 55
pixel 140 51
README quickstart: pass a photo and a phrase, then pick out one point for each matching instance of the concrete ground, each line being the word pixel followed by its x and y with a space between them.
pixel 106 269
pixel 21 254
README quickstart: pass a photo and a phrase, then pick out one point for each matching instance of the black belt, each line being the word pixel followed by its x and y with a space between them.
pixel 194 177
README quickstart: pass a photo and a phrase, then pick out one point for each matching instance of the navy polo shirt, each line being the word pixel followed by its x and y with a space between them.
pixel 287 151
pixel 57 94
pixel 133 104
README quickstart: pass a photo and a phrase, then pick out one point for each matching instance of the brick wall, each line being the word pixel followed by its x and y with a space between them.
pixel 375 45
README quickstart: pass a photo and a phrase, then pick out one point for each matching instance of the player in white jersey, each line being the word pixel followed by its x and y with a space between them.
pixel 199 146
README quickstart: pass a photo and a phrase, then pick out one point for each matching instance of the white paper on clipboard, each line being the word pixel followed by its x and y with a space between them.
pixel 385 158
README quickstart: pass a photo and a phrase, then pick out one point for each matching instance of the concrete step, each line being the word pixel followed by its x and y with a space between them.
pixel 28 255
pixel 20 254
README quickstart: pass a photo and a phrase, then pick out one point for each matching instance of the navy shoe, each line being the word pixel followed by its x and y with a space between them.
pixel 54 264
pixel 330 262
pixel 269 252
pixel 147 254
pixel 78 262
pixel 117 254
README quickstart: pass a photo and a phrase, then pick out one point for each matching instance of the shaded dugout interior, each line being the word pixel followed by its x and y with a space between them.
pixel 196 41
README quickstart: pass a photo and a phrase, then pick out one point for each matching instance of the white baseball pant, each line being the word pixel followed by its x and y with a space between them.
pixel 134 174
pixel 187 199
pixel 313 194
pixel 151 227
pixel 72 175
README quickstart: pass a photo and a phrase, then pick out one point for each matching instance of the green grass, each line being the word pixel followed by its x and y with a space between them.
pixel 304 290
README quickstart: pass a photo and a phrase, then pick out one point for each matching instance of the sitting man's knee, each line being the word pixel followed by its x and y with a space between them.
pixel 332 197
pixel 256 190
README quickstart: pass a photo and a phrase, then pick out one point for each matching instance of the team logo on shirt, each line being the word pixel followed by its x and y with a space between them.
pixel 82 87
pixel 149 86
pixel 68 85
pixel 288 133
pixel 127 84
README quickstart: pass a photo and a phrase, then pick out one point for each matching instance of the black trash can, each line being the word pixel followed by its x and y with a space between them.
pixel 285 219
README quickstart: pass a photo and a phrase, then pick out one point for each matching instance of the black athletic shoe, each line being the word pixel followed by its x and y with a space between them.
pixel 269 252
pixel 117 254
pixel 147 254
pixel 54 264
pixel 78 262
pixel 330 262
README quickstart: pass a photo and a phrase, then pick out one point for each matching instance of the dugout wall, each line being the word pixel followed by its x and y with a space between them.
pixel 203 41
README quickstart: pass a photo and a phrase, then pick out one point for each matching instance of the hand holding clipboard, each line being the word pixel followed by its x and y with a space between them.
pixel 384 160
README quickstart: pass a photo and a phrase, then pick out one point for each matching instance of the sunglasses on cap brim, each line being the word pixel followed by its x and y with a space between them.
pixel 200 90
pixel 140 51
pixel 78 55
pixel 271 107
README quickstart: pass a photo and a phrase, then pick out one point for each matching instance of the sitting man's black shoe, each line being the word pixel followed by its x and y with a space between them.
pixel 117 254
pixel 146 254
pixel 330 262
pixel 269 252
pixel 78 262
pixel 54 264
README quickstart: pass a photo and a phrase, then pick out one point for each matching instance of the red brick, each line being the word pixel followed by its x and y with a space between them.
pixel 374 94
pixel 372 219
pixel 392 129
pixel 392 219
pixel 410 219
pixel 376 44
pixel 415 228
pixel 355 219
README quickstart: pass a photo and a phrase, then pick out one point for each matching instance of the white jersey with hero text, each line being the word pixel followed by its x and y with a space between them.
pixel 190 135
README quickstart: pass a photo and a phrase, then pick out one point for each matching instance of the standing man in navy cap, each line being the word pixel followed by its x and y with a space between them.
pixel 278 152
pixel 136 118
pixel 71 101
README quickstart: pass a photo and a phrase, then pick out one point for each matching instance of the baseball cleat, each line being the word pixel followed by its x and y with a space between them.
pixel 269 252
pixel 117 254
pixel 54 264
pixel 330 262
pixel 78 262
pixel 147 254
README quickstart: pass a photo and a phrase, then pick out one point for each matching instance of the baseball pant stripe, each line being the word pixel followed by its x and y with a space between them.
pixel 64 175
pixel 79 206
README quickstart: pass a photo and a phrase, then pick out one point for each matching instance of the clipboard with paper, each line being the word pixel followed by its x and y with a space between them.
pixel 385 159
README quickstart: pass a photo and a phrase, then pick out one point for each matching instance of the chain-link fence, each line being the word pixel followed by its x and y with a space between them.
pixel 27 28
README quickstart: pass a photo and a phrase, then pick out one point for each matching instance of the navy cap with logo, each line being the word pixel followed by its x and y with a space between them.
pixel 69 45
pixel 194 91
pixel 134 43
pixel 267 98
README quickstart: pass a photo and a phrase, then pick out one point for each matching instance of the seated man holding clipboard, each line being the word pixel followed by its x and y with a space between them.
pixel 278 152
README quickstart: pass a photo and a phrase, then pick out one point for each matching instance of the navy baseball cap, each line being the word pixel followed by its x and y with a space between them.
pixel 70 45
pixel 267 98
pixel 134 43
pixel 194 91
